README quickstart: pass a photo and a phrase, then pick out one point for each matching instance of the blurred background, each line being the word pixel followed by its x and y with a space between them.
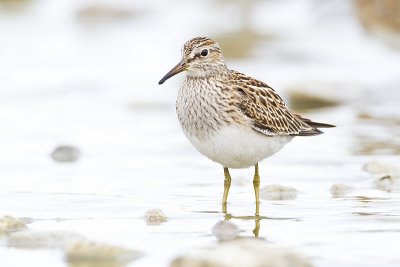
pixel 89 141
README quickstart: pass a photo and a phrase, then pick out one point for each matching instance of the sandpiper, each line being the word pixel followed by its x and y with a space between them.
pixel 229 117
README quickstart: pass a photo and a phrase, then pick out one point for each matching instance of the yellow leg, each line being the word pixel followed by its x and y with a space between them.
pixel 256 230
pixel 227 185
pixel 256 184
pixel 257 221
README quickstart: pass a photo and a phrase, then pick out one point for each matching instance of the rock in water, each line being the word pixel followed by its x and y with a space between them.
pixel 106 12
pixel 340 190
pixel 278 192
pixel 66 154
pixel 381 18
pixel 241 253
pixel 155 216
pixel 388 183
pixel 380 167
pixel 98 253
pixel 10 224
pixel 225 230
pixel 42 240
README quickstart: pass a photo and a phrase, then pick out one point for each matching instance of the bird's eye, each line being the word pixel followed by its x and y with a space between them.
pixel 204 52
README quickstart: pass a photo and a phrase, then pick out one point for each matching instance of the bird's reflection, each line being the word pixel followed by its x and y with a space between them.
pixel 257 218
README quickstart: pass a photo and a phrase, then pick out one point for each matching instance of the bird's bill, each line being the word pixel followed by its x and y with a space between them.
pixel 175 70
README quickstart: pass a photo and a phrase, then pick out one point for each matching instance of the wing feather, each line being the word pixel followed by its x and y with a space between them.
pixel 268 111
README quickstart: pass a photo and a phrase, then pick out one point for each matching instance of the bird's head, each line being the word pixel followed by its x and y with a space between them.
pixel 201 57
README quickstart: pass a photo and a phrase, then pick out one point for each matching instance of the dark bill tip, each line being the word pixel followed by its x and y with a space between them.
pixel 175 70
pixel 162 80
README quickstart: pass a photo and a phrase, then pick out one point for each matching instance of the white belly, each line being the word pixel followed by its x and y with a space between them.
pixel 238 147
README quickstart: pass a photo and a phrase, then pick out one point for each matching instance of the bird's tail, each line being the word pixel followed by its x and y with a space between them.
pixel 314 123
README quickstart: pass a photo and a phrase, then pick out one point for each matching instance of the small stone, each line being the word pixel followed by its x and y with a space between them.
pixel 9 224
pixel 225 230
pixel 241 181
pixel 278 192
pixel 101 12
pixel 379 167
pixel 241 253
pixel 388 183
pixel 340 190
pixel 305 101
pixel 85 251
pixel 240 43
pixel 314 95
pixel 155 216
pixel 381 18
pixel 34 240
pixel 66 154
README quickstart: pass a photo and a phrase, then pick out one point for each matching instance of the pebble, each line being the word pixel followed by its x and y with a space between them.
pixel 340 190
pixel 86 251
pixel 9 224
pixel 379 167
pixel 155 216
pixel 66 154
pixel 278 192
pixel 41 240
pixel 388 183
pixel 315 94
pixel 242 252
pixel 225 230
pixel 99 11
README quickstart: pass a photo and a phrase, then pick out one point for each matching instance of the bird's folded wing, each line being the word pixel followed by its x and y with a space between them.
pixel 267 110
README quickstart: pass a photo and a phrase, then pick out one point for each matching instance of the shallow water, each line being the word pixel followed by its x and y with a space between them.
pixel 93 84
